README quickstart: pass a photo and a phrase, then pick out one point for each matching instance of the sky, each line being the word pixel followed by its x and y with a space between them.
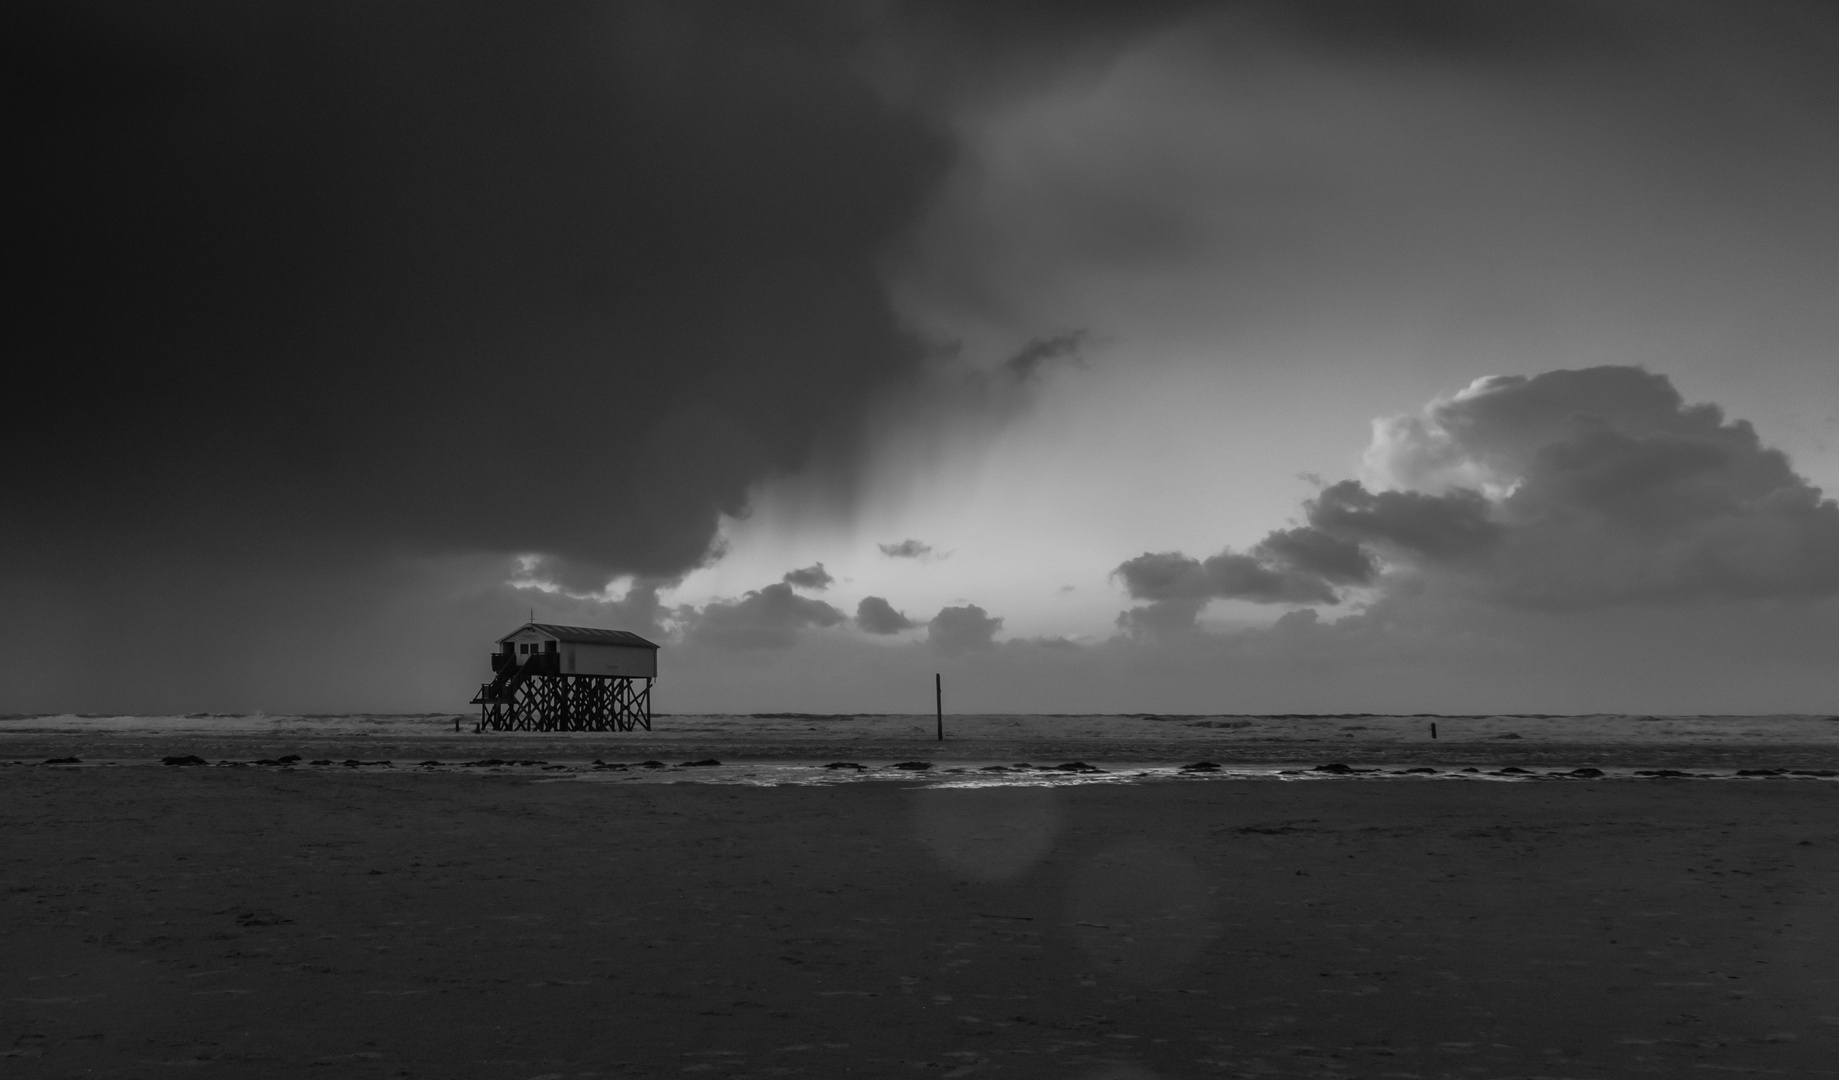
pixel 1319 356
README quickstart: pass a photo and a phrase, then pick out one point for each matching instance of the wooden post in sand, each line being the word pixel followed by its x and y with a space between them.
pixel 938 701
pixel 1433 729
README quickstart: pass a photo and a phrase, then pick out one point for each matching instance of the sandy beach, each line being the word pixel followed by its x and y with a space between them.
pixel 261 921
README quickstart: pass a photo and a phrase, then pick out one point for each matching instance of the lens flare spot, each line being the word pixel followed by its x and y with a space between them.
pixel 987 834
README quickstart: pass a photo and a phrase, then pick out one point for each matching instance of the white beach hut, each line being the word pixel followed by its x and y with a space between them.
pixel 582 650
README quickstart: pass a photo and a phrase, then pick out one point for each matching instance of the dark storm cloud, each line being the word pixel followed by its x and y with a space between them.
pixel 638 609
pixel 560 279
pixel 767 618
pixel 906 549
pixel 452 277
pixel 939 54
pixel 314 292
pixel 937 49
pixel 875 615
pixel 1608 489
pixel 1455 29
pixel 813 577
pixel 956 630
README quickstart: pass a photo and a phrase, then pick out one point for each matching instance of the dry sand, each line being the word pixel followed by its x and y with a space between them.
pixel 248 922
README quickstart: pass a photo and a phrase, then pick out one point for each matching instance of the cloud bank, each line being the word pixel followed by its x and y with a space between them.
pixel 564 281
pixel 569 287
pixel 1568 490
pixel 342 294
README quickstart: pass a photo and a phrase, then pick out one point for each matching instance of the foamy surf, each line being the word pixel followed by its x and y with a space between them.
pixel 956 774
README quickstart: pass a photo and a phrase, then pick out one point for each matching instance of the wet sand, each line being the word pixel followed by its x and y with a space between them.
pixel 255 922
pixel 1531 742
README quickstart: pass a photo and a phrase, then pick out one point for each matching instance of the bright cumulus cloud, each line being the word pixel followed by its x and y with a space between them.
pixel 1569 489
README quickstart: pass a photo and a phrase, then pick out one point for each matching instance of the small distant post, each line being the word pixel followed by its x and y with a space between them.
pixel 938 701
pixel 1433 729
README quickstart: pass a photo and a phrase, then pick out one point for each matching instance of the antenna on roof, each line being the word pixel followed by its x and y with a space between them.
pixel 533 616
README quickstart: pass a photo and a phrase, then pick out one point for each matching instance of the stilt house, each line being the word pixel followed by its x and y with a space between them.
pixel 568 678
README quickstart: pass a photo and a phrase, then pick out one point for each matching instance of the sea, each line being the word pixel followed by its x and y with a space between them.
pixel 961 750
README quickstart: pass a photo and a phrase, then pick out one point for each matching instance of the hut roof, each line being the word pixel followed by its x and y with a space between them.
pixel 584 635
